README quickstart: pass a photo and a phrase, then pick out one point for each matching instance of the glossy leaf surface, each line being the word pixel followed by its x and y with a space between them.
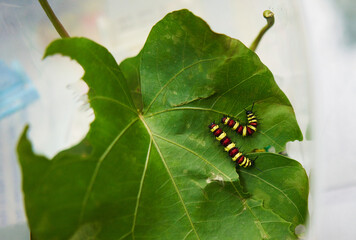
pixel 149 167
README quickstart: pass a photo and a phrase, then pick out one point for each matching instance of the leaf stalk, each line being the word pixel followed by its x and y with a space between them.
pixel 269 16
pixel 54 20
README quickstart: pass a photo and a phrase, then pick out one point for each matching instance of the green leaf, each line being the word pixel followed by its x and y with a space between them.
pixel 131 70
pixel 186 67
pixel 149 167
pixel 283 185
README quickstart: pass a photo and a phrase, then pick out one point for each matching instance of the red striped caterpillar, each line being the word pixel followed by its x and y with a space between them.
pixel 247 130
pixel 230 147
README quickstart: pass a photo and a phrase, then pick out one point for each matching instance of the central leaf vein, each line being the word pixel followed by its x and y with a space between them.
pixel 171 177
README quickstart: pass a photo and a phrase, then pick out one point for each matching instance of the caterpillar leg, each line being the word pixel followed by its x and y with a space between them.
pixel 253 164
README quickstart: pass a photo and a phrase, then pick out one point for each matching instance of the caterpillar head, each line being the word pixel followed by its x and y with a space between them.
pixel 250 111
pixel 212 125
pixel 223 119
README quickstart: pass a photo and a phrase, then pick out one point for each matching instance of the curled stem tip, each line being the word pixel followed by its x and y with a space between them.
pixel 269 16
pixel 53 18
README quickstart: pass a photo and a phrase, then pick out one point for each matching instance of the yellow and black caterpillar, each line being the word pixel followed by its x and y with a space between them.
pixel 247 130
pixel 230 147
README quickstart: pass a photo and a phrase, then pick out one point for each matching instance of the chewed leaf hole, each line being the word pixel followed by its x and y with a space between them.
pixel 300 230
pixel 215 178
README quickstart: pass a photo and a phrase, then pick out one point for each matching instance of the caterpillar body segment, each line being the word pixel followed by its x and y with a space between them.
pixel 247 130
pixel 230 147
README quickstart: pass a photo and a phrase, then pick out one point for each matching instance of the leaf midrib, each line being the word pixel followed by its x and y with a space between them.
pixel 171 176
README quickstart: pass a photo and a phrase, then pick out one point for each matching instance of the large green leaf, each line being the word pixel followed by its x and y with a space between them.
pixel 149 167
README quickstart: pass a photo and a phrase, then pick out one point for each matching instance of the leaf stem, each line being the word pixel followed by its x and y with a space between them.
pixel 56 23
pixel 269 16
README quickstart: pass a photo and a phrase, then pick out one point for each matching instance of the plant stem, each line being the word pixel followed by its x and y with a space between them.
pixel 269 16
pixel 56 23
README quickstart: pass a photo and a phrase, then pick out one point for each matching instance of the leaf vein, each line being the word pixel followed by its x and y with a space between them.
pixel 175 76
pixel 98 165
pixel 271 169
pixel 275 125
pixel 185 108
pixel 185 237
pixel 238 84
pixel 273 186
pixel 140 189
pixel 171 177
pixel 270 139
pixel 112 100
pixel 112 73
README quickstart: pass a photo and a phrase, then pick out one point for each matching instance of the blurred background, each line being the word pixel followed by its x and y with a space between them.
pixel 311 51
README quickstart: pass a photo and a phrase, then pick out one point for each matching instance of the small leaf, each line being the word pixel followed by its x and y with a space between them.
pixel 149 167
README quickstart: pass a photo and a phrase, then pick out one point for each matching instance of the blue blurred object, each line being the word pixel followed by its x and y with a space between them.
pixel 16 89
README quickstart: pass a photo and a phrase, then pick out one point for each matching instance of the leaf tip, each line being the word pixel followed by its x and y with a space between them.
pixel 24 146
pixel 23 137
